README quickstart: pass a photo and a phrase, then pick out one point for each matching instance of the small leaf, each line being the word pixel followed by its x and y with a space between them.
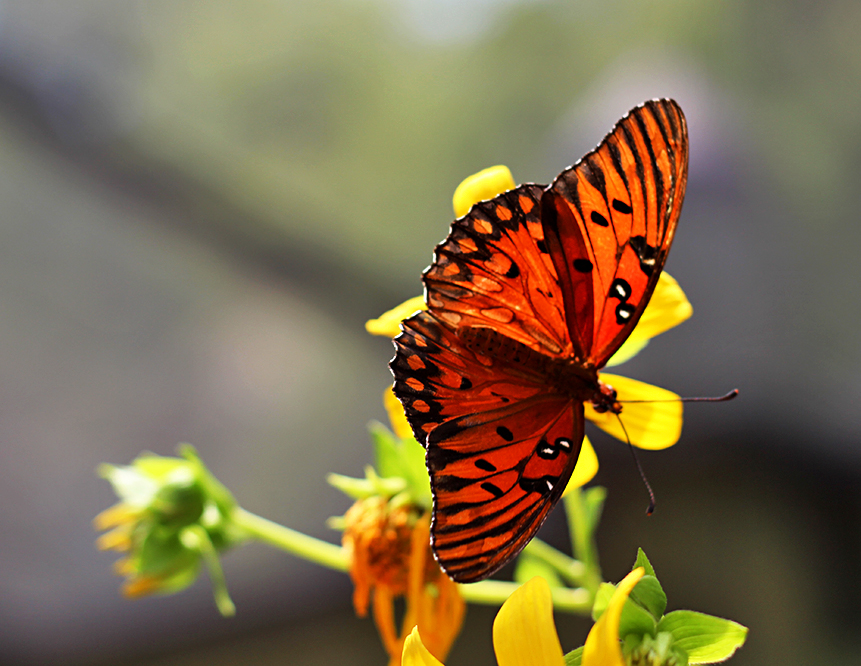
pixel 386 457
pixel 650 595
pixel 528 566
pixel 402 458
pixel 574 658
pixel 636 620
pixel 706 639
pixel 643 561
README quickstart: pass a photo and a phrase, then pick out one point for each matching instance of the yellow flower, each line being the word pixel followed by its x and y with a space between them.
pixel 602 644
pixel 524 633
pixel 654 421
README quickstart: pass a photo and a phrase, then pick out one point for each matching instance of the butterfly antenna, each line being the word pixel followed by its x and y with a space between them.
pixel 651 508
pixel 721 398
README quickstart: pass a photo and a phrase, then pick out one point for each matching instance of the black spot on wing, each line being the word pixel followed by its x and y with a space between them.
pixel 622 207
pixel 485 465
pixel 599 219
pixel 583 265
pixel 492 489
pixel 505 433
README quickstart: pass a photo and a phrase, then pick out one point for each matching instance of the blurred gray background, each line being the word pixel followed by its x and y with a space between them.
pixel 202 202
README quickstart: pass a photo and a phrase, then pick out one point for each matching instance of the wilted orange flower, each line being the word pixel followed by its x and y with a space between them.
pixel 389 549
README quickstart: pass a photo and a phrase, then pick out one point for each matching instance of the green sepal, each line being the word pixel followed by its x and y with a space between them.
pixel 705 638
pixel 575 657
pixel 402 458
pixel 636 620
pixel 528 566
pixel 650 595
pixel 658 650
pixel 162 555
pixel 372 485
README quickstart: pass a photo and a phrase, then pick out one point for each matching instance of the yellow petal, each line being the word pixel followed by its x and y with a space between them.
pixel 415 653
pixel 480 186
pixel 650 425
pixel 586 468
pixel 395 410
pixel 118 539
pixel 602 643
pixel 119 514
pixel 388 324
pixel 669 307
pixel 523 632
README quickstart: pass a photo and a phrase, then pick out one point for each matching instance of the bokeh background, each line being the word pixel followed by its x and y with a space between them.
pixel 202 202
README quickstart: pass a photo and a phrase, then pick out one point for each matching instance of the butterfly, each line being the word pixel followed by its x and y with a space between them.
pixel 528 297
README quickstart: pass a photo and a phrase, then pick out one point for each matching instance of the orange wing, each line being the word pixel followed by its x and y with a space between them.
pixel 609 221
pixel 533 276
pixel 494 272
pixel 500 446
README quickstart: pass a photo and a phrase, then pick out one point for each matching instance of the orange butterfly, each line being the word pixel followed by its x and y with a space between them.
pixel 528 297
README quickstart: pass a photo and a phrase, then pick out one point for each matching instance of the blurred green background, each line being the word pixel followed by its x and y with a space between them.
pixel 202 202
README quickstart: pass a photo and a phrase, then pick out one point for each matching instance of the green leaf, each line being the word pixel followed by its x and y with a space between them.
pixel 650 595
pixel 402 458
pixel 706 639
pixel 636 620
pixel 643 561
pixel 528 566
pixel 386 455
pixel 574 658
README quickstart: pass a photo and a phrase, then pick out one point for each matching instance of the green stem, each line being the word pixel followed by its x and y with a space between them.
pixel 302 545
pixel 582 532
pixel 570 569
pixel 495 592
pixel 197 537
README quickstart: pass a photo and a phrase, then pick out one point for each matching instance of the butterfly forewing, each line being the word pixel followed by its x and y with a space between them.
pixel 609 221
pixel 493 271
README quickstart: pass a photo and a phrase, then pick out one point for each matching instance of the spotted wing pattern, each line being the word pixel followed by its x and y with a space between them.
pixel 530 279
pixel 609 221
pixel 500 447
pixel 494 271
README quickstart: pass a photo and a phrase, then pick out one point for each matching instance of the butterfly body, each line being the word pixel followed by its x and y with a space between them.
pixel 528 297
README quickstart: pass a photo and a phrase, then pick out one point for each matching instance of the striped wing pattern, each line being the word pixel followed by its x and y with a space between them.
pixel 535 277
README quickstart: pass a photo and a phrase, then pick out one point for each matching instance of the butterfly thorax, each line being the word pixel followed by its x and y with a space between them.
pixel 569 376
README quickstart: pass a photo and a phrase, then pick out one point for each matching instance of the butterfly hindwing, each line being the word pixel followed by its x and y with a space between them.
pixel 609 221
pixel 495 476
pixel 438 378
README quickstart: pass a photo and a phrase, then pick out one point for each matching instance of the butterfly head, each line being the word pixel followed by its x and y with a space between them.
pixel 605 399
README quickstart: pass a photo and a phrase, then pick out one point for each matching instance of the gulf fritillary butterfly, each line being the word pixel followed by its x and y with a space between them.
pixel 528 297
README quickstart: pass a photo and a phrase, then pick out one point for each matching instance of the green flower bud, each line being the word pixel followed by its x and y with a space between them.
pixel 172 517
